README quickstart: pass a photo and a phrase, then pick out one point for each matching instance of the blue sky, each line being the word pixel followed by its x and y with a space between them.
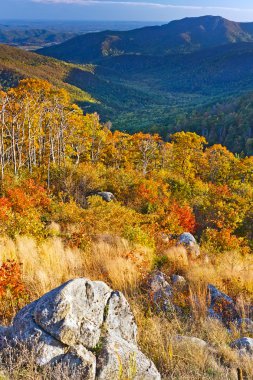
pixel 159 10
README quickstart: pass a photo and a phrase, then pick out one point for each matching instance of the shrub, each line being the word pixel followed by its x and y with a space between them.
pixel 13 292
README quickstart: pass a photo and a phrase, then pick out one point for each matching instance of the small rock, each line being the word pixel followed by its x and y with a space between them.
pixel 196 342
pixel 246 325
pixel 106 196
pixel 221 306
pixel 160 292
pixel 245 345
pixel 189 242
pixel 178 280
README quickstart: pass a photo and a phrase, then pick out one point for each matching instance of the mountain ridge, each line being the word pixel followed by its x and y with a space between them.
pixel 186 35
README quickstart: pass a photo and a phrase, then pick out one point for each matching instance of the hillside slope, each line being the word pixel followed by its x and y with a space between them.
pixel 108 97
pixel 16 64
pixel 166 87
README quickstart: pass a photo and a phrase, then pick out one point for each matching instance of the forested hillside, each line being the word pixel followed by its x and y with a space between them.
pixel 35 34
pixel 33 38
pixel 228 123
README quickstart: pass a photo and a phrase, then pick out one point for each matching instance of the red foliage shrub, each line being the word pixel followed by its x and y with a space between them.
pixel 184 215
pixel 13 292
pixel 27 195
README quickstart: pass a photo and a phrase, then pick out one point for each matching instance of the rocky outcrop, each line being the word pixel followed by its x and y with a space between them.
pixel 85 325
pixel 164 291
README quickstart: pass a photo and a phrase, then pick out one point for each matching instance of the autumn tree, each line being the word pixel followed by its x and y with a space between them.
pixel 187 153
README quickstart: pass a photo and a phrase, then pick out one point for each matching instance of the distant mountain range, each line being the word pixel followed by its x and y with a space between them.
pixel 182 36
pixel 37 34
pixel 34 38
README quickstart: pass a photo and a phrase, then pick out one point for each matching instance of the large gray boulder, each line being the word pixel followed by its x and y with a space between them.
pixel 85 325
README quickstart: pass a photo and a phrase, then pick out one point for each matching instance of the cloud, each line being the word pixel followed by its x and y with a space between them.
pixel 143 3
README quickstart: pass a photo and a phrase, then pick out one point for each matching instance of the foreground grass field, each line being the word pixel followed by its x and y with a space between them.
pixel 50 263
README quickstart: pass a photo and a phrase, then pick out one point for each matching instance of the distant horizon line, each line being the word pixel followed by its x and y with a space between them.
pixel 112 20
pixel 160 22
pixel 73 20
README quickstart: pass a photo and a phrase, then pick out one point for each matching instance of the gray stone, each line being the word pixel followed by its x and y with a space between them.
pixel 121 359
pixel 221 306
pixel 74 312
pixel 26 333
pixel 178 280
pixel 191 340
pixel 189 242
pixel 119 321
pixel 244 345
pixel 246 325
pixel 160 292
pixel 80 359
pixel 186 238
pixel 106 196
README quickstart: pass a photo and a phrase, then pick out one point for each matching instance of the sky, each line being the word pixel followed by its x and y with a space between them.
pixel 139 10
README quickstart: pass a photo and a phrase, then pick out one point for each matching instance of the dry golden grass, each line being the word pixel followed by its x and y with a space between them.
pixel 48 264
pixel 232 272
pixel 45 265
pixel 117 261
pixel 178 258
pixel 182 359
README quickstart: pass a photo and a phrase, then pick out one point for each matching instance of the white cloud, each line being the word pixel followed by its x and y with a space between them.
pixel 143 3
